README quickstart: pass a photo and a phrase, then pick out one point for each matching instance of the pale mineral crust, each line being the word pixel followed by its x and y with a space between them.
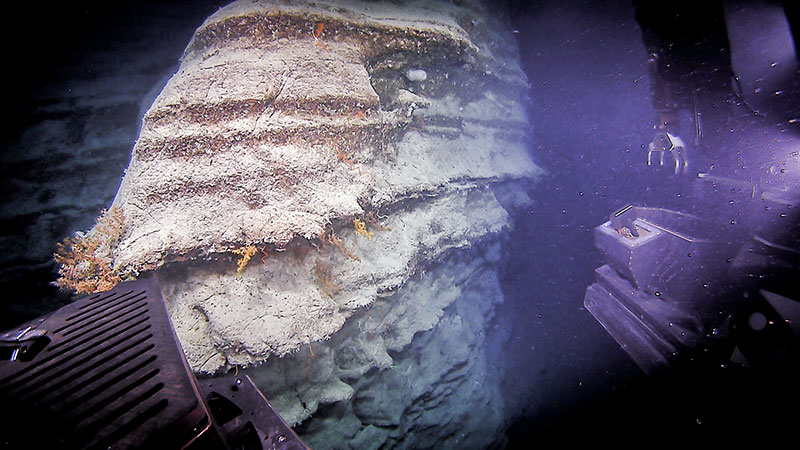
pixel 289 123
pixel 273 127
pixel 365 157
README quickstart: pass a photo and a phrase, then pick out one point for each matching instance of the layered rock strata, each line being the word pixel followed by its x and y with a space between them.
pixel 347 144
pixel 320 189
pixel 420 369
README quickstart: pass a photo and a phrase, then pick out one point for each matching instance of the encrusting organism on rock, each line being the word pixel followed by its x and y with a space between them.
pixel 331 238
pixel 324 274
pixel 85 259
pixel 361 228
pixel 246 253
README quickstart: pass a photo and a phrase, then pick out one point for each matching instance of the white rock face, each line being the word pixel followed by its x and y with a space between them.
pixel 417 370
pixel 282 125
pixel 289 130
pixel 364 154
pixel 277 306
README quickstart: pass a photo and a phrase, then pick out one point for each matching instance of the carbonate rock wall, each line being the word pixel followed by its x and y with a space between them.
pixel 420 369
pixel 320 190
pixel 349 144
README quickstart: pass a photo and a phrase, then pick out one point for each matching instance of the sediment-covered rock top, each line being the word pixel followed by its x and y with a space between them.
pixel 282 119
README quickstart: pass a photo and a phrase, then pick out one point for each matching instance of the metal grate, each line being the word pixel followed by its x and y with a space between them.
pixel 105 371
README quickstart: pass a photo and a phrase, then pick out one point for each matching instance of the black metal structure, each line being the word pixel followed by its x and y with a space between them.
pixel 648 294
pixel 107 371
pixel 672 292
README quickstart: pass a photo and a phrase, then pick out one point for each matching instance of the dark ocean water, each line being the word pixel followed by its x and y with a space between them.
pixel 592 114
pixel 78 79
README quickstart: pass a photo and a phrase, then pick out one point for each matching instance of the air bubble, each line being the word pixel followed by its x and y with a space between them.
pixel 757 321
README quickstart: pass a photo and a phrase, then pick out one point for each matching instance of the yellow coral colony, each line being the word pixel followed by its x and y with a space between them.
pixel 246 253
pixel 361 228
pixel 85 259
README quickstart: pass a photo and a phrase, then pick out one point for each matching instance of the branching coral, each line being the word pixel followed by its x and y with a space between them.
pixel 85 259
pixel 331 238
pixel 246 253
pixel 324 274
pixel 361 228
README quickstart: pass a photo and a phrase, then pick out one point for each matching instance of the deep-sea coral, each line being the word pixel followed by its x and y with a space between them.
pixel 85 259
pixel 361 228
pixel 331 238
pixel 246 253
pixel 373 221
pixel 324 275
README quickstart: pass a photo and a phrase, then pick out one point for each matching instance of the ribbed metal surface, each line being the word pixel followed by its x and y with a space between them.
pixel 112 376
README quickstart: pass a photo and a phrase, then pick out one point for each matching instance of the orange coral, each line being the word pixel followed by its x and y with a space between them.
pixel 361 228
pixel 317 34
pixel 246 253
pixel 346 159
pixel 85 259
pixel 324 274
pixel 337 242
